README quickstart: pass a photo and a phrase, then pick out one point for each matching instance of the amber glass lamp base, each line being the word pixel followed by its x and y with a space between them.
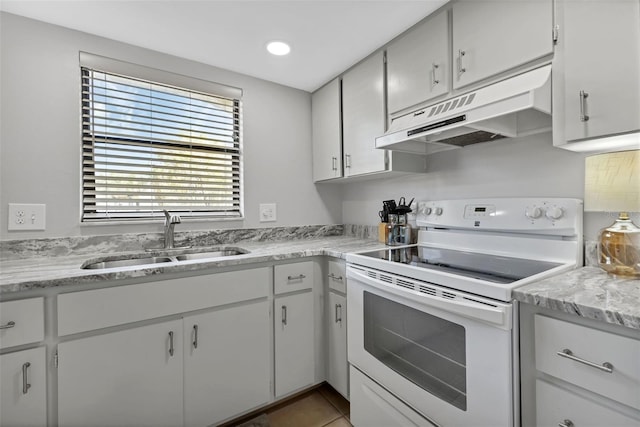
pixel 619 248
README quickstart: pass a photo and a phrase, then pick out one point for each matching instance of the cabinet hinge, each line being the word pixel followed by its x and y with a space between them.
pixel 55 359
pixel 556 30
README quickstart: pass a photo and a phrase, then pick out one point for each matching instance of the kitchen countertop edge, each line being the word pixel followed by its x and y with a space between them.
pixel 588 292
pixel 49 272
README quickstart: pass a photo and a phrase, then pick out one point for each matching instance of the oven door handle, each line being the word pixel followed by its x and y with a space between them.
pixel 498 314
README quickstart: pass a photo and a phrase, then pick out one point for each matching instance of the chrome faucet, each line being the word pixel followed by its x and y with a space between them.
pixel 169 223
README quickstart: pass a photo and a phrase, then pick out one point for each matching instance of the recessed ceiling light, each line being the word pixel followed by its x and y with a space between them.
pixel 278 48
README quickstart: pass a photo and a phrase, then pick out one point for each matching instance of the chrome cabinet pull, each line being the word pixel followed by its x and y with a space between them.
pixel 461 69
pixel 195 336
pixel 9 325
pixel 334 163
pixel 338 309
pixel 284 315
pixel 583 106
pixel 334 277
pixel 566 423
pixel 25 380
pixel 298 277
pixel 606 366
pixel 434 80
pixel 171 343
pixel 347 160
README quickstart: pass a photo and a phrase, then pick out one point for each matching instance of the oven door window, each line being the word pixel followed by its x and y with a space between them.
pixel 425 349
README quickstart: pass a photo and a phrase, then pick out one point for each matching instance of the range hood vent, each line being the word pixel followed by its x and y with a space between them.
pixel 518 106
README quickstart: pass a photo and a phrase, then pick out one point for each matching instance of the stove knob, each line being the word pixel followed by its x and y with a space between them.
pixel 438 211
pixel 554 212
pixel 427 211
pixel 533 212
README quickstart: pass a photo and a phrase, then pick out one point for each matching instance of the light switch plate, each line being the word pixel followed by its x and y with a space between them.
pixel 24 216
pixel 267 212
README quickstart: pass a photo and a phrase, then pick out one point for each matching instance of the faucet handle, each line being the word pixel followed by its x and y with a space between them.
pixel 171 219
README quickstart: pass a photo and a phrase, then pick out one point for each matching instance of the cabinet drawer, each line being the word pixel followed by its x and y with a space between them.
pixel 338 276
pixel 554 338
pixel 555 406
pixel 293 277
pixel 101 308
pixel 22 322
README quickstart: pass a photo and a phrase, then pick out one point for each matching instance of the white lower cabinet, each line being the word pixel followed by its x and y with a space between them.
pixel 227 368
pixel 294 342
pixel 556 406
pixel 23 388
pixel 338 368
pixel 125 378
pixel 577 372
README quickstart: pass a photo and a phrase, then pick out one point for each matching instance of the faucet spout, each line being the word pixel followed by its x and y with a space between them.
pixel 169 224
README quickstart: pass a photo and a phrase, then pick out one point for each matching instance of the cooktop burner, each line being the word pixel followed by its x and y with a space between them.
pixel 492 268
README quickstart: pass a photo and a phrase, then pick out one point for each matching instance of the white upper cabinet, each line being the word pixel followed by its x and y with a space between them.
pixel 596 80
pixel 327 132
pixel 363 116
pixel 491 37
pixel 418 64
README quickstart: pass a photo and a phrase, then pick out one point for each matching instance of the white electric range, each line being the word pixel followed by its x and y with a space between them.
pixel 432 332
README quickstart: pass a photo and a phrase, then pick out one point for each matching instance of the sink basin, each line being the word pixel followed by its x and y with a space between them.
pixel 159 258
pixel 210 254
pixel 95 265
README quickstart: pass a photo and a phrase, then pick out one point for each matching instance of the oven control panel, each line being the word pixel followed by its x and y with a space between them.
pixel 557 216
pixel 479 211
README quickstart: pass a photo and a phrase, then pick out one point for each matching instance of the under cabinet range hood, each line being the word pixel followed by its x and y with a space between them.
pixel 517 106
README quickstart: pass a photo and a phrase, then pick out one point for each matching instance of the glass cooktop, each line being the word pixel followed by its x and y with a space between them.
pixel 493 268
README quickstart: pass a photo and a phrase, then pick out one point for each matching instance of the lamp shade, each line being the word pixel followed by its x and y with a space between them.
pixel 612 182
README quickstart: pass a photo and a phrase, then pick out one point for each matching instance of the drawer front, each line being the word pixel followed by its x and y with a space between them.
pixel 101 308
pixel 293 277
pixel 338 276
pixel 593 346
pixel 556 406
pixel 22 322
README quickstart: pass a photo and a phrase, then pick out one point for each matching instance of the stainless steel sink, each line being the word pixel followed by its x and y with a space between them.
pixel 128 262
pixel 211 254
pixel 162 257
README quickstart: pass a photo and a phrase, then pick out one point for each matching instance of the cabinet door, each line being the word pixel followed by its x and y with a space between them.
pixel 227 363
pixel 363 116
pixel 294 342
pixel 127 378
pixel 23 388
pixel 598 54
pixel 418 67
pixel 327 132
pixel 338 368
pixel 490 37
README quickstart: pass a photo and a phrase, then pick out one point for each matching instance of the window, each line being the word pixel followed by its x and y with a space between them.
pixel 149 145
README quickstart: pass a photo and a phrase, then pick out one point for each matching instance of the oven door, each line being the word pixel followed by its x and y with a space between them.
pixel 446 354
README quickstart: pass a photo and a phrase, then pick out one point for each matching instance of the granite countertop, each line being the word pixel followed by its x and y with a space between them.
pixel 588 292
pixel 39 272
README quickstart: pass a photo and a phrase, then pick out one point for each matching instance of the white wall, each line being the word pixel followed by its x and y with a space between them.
pixel 40 134
pixel 519 167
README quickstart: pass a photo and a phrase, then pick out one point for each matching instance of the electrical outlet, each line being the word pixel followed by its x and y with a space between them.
pixel 26 216
pixel 267 212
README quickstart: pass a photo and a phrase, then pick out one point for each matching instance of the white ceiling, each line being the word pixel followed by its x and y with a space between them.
pixel 326 36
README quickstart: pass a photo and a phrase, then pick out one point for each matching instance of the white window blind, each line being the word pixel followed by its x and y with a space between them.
pixel 149 146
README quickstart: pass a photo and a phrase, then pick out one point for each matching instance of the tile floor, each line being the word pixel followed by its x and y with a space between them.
pixel 320 407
